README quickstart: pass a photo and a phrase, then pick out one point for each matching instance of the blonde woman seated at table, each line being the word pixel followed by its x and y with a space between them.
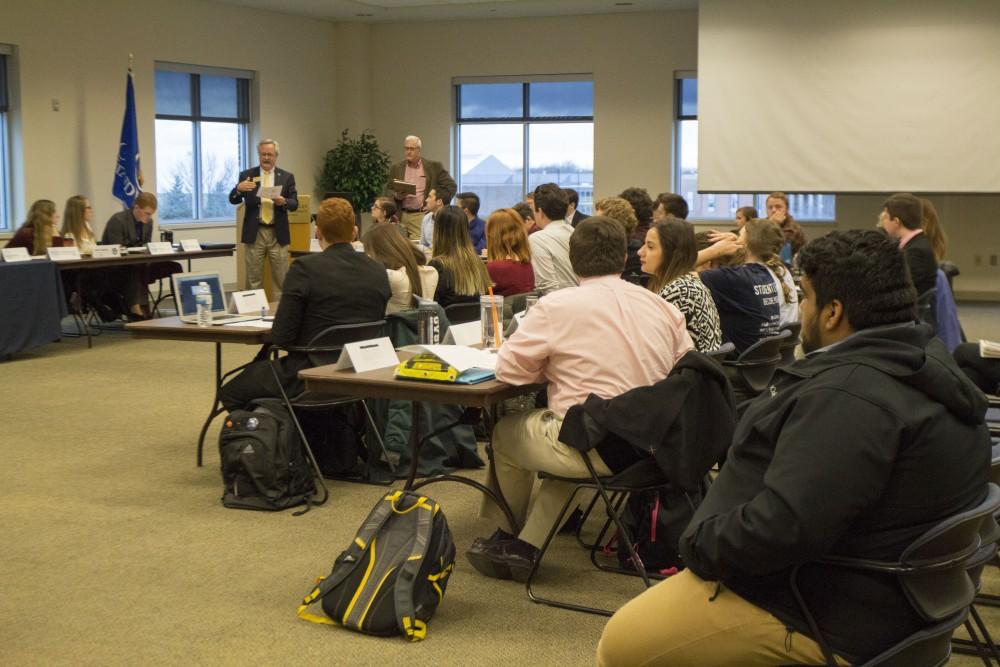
pixel 668 256
pixel 405 265
pixel 462 277
pixel 76 224
pixel 38 233
pixel 508 255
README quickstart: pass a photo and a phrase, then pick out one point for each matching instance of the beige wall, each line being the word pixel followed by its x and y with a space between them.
pixel 77 52
pixel 632 59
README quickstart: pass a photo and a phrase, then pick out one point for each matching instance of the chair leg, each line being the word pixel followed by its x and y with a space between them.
pixel 987 639
pixel 378 436
pixel 971 646
pixel 305 441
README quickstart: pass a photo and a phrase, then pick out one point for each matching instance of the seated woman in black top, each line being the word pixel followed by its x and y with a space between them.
pixel 462 276
pixel 746 295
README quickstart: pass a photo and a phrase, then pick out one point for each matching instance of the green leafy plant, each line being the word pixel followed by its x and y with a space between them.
pixel 356 165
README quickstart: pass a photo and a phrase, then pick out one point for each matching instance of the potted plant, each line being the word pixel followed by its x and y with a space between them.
pixel 356 165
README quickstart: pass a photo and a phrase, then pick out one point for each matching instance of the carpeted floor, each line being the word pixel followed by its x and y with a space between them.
pixel 114 548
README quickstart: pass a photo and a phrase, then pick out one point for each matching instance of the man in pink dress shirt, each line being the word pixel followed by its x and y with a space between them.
pixel 605 337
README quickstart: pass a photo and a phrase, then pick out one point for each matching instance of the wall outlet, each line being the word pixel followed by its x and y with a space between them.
pixel 977 260
pixel 993 260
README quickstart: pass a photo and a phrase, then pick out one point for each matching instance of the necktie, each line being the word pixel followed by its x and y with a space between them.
pixel 266 205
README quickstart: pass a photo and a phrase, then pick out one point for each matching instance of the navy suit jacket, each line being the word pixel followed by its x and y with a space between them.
pixel 251 214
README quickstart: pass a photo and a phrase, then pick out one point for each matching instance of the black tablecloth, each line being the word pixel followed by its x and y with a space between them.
pixel 31 305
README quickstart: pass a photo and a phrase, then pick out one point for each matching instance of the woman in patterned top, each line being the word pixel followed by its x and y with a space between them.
pixel 668 256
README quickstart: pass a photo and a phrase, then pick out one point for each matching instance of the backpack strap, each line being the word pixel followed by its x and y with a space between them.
pixel 412 627
pixel 354 553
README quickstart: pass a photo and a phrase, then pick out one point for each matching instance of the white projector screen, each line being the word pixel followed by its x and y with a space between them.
pixel 849 96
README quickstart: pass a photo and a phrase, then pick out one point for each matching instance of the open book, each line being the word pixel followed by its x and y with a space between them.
pixel 458 363
pixel 989 349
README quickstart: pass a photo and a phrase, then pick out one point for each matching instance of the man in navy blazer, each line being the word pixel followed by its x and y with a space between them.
pixel 265 220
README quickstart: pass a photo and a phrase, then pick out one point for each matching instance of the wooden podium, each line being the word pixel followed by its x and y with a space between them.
pixel 299 226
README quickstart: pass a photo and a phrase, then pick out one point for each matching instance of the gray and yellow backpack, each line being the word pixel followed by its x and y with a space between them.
pixel 392 578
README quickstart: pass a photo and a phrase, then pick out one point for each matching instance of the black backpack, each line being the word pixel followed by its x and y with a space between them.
pixel 392 577
pixel 264 462
pixel 655 520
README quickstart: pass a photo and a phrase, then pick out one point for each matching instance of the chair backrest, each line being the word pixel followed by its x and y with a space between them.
pixel 926 311
pixel 459 313
pixel 788 346
pixel 722 353
pixel 755 366
pixel 333 338
pixel 937 583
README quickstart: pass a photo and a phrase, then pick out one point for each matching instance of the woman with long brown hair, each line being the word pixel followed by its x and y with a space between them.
pixel 76 224
pixel 38 233
pixel 508 255
pixel 405 265
pixel 932 229
pixel 462 277
pixel 668 256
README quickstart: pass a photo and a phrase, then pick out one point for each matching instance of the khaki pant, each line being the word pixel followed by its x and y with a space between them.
pixel 677 623
pixel 411 223
pixel 265 244
pixel 523 445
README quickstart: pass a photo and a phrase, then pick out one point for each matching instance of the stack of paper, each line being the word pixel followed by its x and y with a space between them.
pixel 473 365
pixel 989 349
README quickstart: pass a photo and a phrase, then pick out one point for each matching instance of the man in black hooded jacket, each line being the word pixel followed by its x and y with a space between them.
pixel 856 450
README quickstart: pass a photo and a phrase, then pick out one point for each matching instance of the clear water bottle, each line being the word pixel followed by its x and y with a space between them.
pixel 203 302
pixel 428 323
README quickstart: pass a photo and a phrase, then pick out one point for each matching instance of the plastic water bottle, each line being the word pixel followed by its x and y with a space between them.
pixel 203 302
pixel 428 323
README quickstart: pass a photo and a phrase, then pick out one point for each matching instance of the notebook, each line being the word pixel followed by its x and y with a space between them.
pixel 184 294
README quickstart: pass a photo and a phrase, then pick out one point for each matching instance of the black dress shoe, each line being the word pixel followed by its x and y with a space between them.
pixel 132 317
pixel 503 558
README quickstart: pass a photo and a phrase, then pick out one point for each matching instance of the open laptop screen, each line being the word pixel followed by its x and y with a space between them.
pixel 184 285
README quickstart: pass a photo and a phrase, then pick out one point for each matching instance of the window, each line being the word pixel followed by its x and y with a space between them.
pixel 202 120
pixel 716 206
pixel 516 135
pixel 5 187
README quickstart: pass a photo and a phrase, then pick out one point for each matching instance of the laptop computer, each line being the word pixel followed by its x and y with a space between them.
pixel 184 295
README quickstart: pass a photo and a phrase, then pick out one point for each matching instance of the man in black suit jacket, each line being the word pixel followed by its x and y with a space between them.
pixel 901 218
pixel 131 228
pixel 336 286
pixel 573 216
pixel 265 221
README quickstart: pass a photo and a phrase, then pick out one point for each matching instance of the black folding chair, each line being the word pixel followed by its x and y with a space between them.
pixel 459 313
pixel 934 574
pixel 325 348
pixel 751 372
pixel 926 310
pixel 787 347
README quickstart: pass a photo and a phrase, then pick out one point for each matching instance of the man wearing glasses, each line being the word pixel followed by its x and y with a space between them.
pixel 265 218
pixel 423 174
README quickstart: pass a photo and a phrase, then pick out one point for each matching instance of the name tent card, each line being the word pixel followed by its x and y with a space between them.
pixel 15 255
pixel 160 248
pixel 190 245
pixel 367 355
pixel 105 251
pixel 467 333
pixel 64 254
pixel 314 246
pixel 253 302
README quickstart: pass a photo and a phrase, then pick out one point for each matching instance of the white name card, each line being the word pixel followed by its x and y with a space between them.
pixel 314 245
pixel 190 245
pixel 253 302
pixel 64 254
pixel 15 255
pixel 467 333
pixel 160 248
pixel 367 355
pixel 106 251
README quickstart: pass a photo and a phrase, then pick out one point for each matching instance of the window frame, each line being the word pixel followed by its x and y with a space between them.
pixel 243 120
pixel 6 182
pixel 525 119
pixel 759 199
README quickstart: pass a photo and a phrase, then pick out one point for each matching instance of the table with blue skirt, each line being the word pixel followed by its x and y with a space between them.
pixel 32 305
